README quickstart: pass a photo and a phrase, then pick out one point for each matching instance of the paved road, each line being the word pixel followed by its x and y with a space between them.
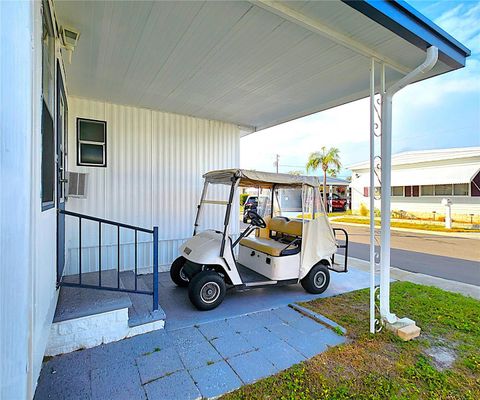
pixel 454 258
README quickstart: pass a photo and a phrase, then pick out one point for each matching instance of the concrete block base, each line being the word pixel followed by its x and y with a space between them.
pixel 404 328
pixel 92 330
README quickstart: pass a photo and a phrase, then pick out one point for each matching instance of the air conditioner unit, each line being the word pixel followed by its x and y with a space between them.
pixel 77 184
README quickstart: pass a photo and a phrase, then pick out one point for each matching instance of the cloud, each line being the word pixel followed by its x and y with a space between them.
pixel 462 22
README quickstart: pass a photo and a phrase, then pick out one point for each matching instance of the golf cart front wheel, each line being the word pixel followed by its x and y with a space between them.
pixel 206 290
pixel 177 274
pixel 317 280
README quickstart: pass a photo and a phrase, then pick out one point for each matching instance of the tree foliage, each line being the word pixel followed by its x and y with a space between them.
pixel 328 160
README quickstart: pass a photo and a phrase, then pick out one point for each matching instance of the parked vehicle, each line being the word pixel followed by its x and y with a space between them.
pixel 272 250
pixel 338 204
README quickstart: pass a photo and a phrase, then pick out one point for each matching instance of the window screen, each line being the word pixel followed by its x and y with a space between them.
pixel 397 191
pixel 460 189
pixel 443 190
pixel 92 142
pixel 426 190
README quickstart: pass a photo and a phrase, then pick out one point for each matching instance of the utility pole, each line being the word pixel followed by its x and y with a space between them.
pixel 277 162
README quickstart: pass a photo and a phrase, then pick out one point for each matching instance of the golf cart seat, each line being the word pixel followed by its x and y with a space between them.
pixel 281 237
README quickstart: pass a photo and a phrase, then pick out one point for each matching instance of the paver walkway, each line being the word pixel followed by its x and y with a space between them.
pixel 200 361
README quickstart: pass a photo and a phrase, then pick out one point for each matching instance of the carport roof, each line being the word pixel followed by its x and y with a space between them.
pixel 255 64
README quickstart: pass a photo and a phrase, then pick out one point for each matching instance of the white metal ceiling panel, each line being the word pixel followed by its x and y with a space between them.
pixel 231 61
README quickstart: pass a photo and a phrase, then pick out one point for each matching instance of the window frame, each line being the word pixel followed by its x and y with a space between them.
pixel 48 108
pixel 80 141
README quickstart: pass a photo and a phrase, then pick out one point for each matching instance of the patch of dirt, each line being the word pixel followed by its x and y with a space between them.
pixel 442 357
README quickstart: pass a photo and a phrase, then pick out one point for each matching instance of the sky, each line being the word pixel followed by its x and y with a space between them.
pixel 446 111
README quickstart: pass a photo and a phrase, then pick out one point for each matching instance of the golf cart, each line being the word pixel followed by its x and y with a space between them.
pixel 272 250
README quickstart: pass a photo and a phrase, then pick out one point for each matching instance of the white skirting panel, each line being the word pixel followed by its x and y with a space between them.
pixel 155 163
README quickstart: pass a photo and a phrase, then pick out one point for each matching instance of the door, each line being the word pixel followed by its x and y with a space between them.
pixel 61 159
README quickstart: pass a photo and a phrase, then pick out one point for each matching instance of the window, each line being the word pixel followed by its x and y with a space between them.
pixel 48 159
pixel 412 191
pixel 443 190
pixel 460 189
pixel 48 98
pixel 91 142
pixel 427 190
pixel 408 191
pixel 397 191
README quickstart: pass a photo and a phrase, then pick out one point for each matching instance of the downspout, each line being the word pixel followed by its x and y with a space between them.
pixel 386 148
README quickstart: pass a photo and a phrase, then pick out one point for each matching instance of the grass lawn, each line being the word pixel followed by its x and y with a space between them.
pixel 402 224
pixel 443 363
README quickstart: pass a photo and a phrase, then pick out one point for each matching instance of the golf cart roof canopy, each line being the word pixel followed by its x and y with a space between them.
pixel 249 178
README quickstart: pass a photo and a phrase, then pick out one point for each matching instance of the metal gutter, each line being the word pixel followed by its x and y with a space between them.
pixel 406 22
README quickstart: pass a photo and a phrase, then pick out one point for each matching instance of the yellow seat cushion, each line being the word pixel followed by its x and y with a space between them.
pixel 267 246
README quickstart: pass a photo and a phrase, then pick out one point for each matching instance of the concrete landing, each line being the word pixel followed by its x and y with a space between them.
pixel 76 302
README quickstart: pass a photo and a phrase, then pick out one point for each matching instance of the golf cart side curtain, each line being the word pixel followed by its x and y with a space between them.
pixel 261 179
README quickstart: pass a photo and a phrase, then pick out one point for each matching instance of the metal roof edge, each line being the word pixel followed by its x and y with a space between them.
pixel 453 153
pixel 402 19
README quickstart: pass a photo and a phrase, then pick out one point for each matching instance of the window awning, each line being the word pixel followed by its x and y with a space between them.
pixel 435 175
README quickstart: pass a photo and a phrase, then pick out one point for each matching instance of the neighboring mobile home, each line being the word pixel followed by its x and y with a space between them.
pixel 422 179
pixel 143 98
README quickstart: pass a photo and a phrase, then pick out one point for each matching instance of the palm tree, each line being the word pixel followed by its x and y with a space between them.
pixel 326 160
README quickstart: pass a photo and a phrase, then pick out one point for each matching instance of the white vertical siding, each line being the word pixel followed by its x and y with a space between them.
pixel 27 234
pixel 155 163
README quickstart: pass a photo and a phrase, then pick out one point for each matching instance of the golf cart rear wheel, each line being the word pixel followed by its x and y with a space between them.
pixel 317 280
pixel 177 274
pixel 206 290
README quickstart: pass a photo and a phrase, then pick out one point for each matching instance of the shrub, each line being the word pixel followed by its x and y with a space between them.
pixel 243 198
pixel 363 210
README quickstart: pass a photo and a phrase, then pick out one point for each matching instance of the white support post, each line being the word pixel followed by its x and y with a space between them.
pixel 386 147
pixel 386 151
pixel 372 199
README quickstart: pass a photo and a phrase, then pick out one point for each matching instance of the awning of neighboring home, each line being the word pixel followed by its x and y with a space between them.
pixel 435 175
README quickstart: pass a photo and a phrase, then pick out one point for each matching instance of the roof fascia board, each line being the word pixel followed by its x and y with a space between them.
pixel 402 19
pixel 313 25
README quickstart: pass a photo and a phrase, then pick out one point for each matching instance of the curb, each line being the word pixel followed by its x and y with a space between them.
pixel 399 274
pixel 463 235
pixel 318 317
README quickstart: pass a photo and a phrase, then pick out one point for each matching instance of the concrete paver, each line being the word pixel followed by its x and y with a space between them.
pixel 229 346
pixel 158 364
pixel 252 366
pixel 216 379
pixel 179 385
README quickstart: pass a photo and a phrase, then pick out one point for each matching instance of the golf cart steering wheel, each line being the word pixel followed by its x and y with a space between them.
pixel 256 220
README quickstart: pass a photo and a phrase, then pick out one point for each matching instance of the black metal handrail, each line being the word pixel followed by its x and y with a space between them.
pixel 342 246
pixel 136 229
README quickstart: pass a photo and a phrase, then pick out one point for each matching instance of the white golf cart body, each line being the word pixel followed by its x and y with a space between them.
pixel 310 240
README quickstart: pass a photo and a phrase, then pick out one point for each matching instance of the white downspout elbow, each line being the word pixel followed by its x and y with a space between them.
pixel 386 145
pixel 430 61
